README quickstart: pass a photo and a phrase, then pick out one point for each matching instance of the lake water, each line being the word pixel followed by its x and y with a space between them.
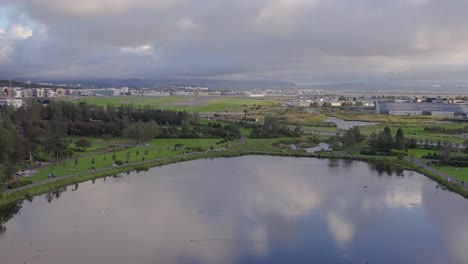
pixel 342 124
pixel 251 209
pixel 319 147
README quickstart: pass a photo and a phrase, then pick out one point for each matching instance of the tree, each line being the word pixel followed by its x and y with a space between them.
pixel 55 144
pixel 141 131
pixel 83 143
pixel 351 137
pixel 446 150
pixel 9 152
pixel 382 141
pixel 385 141
pixel 400 141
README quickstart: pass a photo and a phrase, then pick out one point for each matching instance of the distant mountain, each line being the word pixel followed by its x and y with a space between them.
pixel 135 82
pixel 393 87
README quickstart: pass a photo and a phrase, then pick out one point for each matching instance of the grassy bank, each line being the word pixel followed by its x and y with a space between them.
pixel 400 164
pixel 254 147
pixel 85 176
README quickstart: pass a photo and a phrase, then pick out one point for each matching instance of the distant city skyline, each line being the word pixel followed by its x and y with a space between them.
pixel 301 41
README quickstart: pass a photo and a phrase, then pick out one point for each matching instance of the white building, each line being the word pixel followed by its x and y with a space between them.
pixel 16 103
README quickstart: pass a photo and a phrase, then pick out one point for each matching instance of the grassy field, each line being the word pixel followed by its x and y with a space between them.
pixel 159 148
pixel 186 103
pixel 156 149
pixel 98 144
pixel 357 116
pixel 415 130
pixel 419 153
pixel 458 173
pixel 136 100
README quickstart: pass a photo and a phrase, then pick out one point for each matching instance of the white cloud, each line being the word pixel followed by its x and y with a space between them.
pixel 342 231
pixel 143 49
pixel 18 31
pixel 2 32
pixel 6 51
pixel 299 40
pixel 280 16
pixel 98 7
pixel 186 23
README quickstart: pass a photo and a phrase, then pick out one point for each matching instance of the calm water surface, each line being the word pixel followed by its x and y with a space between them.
pixel 243 210
pixel 345 125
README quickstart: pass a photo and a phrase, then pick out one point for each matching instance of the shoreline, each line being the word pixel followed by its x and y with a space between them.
pixel 25 192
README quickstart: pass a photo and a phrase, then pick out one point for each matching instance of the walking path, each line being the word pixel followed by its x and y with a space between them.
pixel 99 170
pixel 423 163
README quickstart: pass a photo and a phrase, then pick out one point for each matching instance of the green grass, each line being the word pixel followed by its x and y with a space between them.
pixel 419 153
pixel 230 104
pixel 159 148
pixel 252 147
pixel 415 130
pixel 136 100
pixel 211 104
pixel 458 173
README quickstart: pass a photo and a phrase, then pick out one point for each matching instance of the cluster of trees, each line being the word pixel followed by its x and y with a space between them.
pixel 348 139
pixel 39 128
pixel 273 127
pixel 384 140
pixel 352 137
pixel 11 146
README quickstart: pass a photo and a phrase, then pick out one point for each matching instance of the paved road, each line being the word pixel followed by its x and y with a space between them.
pixel 423 163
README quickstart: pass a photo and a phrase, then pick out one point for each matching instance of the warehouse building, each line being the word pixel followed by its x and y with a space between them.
pixel 409 108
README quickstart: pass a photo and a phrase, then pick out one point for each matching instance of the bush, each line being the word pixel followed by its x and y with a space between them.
pixel 118 162
pixel 18 184
pixel 375 152
pixel 142 167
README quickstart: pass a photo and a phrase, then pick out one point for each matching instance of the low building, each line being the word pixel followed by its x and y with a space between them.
pixel 60 92
pixel 16 103
pixel 434 109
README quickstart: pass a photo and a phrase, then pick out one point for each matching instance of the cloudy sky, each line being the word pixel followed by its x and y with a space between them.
pixel 307 41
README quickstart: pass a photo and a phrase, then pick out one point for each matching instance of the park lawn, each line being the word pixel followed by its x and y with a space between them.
pixel 458 173
pixel 230 104
pixel 305 119
pixel 388 119
pixel 419 153
pixel 415 131
pixel 158 148
pixel 215 104
pixel 98 144
pixel 136 100
pixel 245 131
pixel 265 145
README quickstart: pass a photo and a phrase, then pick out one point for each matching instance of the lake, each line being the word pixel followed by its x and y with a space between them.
pixel 252 209
pixel 345 125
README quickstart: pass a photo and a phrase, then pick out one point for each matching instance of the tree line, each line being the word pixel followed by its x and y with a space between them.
pixel 39 128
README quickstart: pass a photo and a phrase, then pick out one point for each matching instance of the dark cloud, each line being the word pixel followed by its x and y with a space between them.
pixel 298 40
